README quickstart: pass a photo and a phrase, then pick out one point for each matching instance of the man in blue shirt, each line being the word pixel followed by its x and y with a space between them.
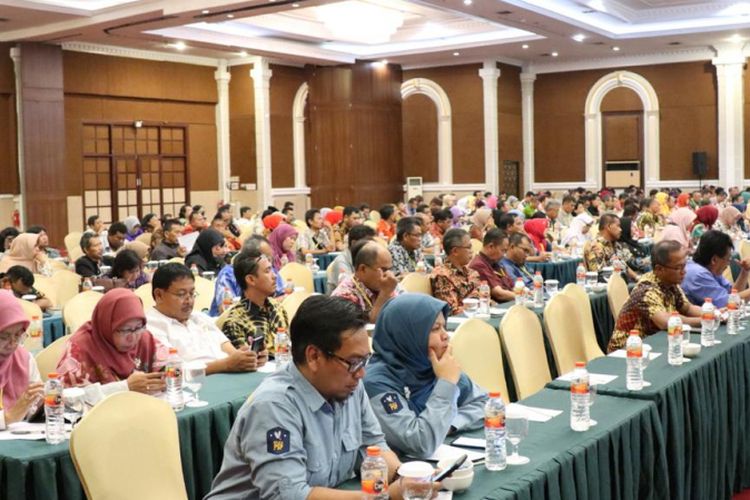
pixel 514 262
pixel 703 276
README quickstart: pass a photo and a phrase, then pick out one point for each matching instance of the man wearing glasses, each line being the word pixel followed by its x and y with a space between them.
pixel 306 428
pixel 406 250
pixel 514 262
pixel 455 280
pixel 656 295
pixel 195 336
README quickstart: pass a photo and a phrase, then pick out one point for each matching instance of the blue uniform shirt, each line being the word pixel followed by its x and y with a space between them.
pixel 700 283
pixel 515 271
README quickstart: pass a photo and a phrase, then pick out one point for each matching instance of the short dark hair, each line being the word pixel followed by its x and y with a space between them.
pixel 662 250
pixel 36 229
pixel 607 219
pixel 246 262
pixel 167 274
pixel 125 260
pixel 183 210
pixel 320 321
pixel 406 225
pixel 310 215
pixel 244 210
pixel 198 208
pixel 8 231
pixel 253 242
pixel 15 273
pixel 505 221
pixel 422 207
pixel 117 227
pixel 494 236
pixel 349 210
pixel 85 241
pixel 360 232
pixel 568 198
pixel 452 239
pixel 386 211
pixel 92 220
pixel 712 243
pixel 630 209
pixel 168 224
pixel 194 215
pixel 147 218
pixel 442 215
pixel 516 239
pixel 365 252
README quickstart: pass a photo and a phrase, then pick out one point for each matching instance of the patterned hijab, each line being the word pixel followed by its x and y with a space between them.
pixel 276 239
pixel 14 368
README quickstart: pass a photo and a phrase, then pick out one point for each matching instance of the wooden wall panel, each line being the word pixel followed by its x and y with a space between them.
pixel 509 117
pixel 242 123
pixel 621 134
pixel 285 81
pixel 420 140
pixel 8 166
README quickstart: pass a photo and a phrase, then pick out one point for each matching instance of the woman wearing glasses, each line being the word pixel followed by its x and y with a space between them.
pixel 114 352
pixel 416 387
pixel 20 383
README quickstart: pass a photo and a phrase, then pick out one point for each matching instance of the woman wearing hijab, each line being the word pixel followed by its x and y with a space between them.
pixel 705 218
pixel 24 251
pixel 727 223
pixel 678 229
pixel 683 200
pixel 282 241
pixel 663 199
pixel 208 252
pixel 536 229
pixel 133 226
pixel 416 387
pixel 20 383
pixel 480 222
pixel 113 352
pixel 578 231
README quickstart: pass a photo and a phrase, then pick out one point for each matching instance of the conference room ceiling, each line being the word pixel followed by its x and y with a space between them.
pixel 413 33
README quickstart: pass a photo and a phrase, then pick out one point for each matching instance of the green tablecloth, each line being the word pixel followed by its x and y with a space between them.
pixel 34 470
pixel 704 409
pixel 620 458
pixel 563 270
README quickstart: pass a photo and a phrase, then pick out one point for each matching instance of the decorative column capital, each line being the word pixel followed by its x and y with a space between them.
pixel 261 73
pixel 15 54
pixel 728 54
pixel 222 75
pixel 489 71
pixel 527 78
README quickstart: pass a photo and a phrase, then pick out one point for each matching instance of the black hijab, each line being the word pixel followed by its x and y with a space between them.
pixel 202 255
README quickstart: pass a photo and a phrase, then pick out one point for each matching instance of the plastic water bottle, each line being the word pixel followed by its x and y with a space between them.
pixel 494 433
pixel 194 270
pixel 733 308
pixel 538 289
pixel 35 342
pixel 421 267
pixel 484 298
pixel 580 275
pixel 54 423
pixel 226 300
pixel 174 380
pixel 283 346
pixel 374 474
pixel 580 420
pixel 617 265
pixel 87 285
pixel 674 334
pixel 708 316
pixel 634 360
pixel 309 260
pixel 519 289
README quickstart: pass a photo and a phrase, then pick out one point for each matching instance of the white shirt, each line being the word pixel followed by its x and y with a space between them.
pixel 197 340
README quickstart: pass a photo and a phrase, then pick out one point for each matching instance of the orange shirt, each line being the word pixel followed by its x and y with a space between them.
pixel 387 229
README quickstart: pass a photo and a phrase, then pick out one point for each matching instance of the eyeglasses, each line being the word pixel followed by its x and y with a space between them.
pixel 184 296
pixel 17 339
pixel 676 268
pixel 130 332
pixel 415 235
pixel 352 366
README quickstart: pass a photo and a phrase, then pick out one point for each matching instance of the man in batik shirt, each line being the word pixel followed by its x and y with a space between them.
pixel 455 281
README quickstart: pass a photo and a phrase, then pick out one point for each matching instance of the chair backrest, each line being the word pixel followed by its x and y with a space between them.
pixel 375 216
pixel 417 283
pixel 46 285
pixel 179 260
pixel 744 250
pixel 30 309
pixel 292 302
pixel 73 242
pixel 476 346
pixel 617 294
pixel 476 246
pixel 299 274
pixel 582 302
pixel 523 344
pixel 371 223
pixel 205 289
pixel 79 309
pixel 245 233
pixel 48 357
pixel 563 328
pixel 127 447
pixel 144 292
pixel 67 284
pixel 57 265
pixel 222 318
pixel 145 238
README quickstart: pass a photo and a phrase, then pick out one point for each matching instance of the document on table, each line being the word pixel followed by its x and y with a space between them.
pixel 594 378
pixel 27 431
pixel 533 413
pixel 448 451
pixel 622 353
pixel 457 320
pixel 188 240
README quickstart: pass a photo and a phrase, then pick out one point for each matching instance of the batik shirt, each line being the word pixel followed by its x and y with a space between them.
pixel 245 320
pixel 453 285
pixel 405 262
pixel 598 253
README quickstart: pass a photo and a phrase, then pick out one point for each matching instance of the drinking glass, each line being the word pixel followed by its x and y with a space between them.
pixel 593 392
pixel 517 428
pixel 607 273
pixel 592 278
pixel 209 275
pixel 315 267
pixel 645 360
pixel 194 375
pixel 552 287
pixel 416 480
pixel 471 306
pixel 73 404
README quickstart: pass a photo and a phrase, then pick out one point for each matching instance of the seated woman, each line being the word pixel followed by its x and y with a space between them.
pixel 127 272
pixel 728 222
pixel 416 387
pixel 282 240
pixel 679 227
pixel 134 227
pixel 537 229
pixel 705 217
pixel 20 384
pixel 578 232
pixel 114 352
pixel 208 252
pixel 24 251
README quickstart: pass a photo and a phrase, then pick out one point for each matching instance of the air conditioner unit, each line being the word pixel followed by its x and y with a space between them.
pixel 413 187
pixel 621 174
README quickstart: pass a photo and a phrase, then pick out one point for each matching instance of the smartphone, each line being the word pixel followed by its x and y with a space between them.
pixel 450 470
pixel 259 343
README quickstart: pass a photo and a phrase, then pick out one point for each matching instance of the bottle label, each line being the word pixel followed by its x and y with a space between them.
pixel 374 486
pixel 732 306
pixel 580 387
pixel 708 316
pixel 635 352
pixel 53 399
pixel 495 422
pixel 675 330
pixel 173 372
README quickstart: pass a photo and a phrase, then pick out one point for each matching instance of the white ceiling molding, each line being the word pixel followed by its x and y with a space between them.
pixel 476 60
pixel 151 55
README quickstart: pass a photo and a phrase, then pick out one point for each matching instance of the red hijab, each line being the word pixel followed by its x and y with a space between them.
pixel 14 369
pixel 536 228
pixel 92 356
pixel 707 215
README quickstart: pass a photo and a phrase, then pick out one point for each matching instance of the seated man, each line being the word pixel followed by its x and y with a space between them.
pixel 115 239
pixel 373 282
pixel 43 241
pixel 196 222
pixel 315 240
pixel 428 240
pixel 514 262
pixel 307 427
pixel 343 264
pixel 256 314
pixel 598 253
pixel 703 275
pixel 406 250
pixel 88 264
pixel 487 264
pixel 20 281
pixel 442 221
pixel 454 281
pixel 195 336
pixel 656 295
pixel 169 247
pixel 352 218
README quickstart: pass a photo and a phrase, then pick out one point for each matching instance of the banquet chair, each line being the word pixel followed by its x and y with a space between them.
pixel 205 289
pixel 292 302
pixel 617 294
pixel 144 293
pixel 476 246
pixel 57 265
pixel 744 251
pixel 128 447
pixel 178 260
pixel 46 285
pixel 581 299
pixel 67 284
pixel 30 309
pixel 417 283
pixel 47 358
pixel 145 238
pixel 371 224
pixel 222 319
pixel 79 309
pixel 563 328
pixel 375 216
pixel 245 233
pixel 73 242
pixel 298 274
pixel 523 344
pixel 476 347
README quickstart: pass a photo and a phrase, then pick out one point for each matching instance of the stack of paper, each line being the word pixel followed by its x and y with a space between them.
pixel 594 378
pixel 532 413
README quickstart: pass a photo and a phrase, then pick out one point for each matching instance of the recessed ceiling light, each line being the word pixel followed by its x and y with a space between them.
pixel 205 11
pixel 579 37
pixel 468 2
pixel 735 38
pixel 616 48
pixel 230 16
pixel 243 53
pixel 180 45
pixel 555 54
pixel 456 53
pixel 525 46
pixel 384 62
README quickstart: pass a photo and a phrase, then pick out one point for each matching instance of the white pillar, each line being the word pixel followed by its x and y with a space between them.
pixel 490 73
pixel 222 77
pixel 15 54
pixel 298 135
pixel 527 117
pixel 729 63
pixel 261 76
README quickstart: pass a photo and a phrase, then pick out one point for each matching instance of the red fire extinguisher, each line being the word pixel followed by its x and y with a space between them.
pixel 16 218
